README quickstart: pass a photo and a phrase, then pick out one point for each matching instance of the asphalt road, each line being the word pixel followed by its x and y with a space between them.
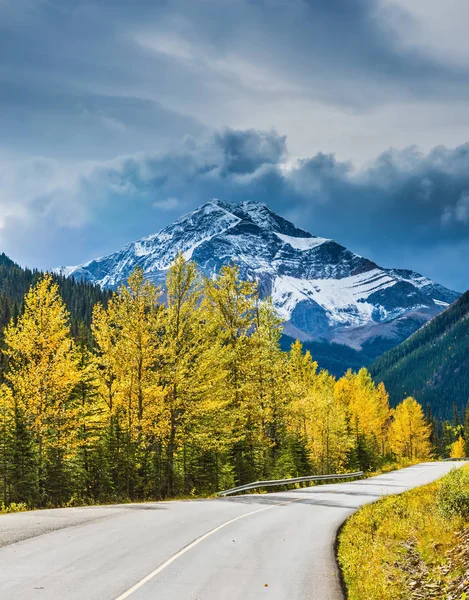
pixel 276 546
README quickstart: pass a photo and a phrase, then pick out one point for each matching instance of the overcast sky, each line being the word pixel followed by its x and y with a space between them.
pixel 350 117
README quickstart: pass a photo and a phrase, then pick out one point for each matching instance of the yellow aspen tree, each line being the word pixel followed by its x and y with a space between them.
pixel 267 387
pixel 105 336
pixel 383 416
pixel 43 373
pixel 367 413
pixel 409 434
pixel 180 351
pixel 229 305
pixel 207 426
pixel 365 405
pixel 135 314
pixel 302 373
pixel 319 418
pixel 126 335
pixel 328 437
pixel 458 448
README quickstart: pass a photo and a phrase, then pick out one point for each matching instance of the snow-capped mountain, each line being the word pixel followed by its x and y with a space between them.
pixel 321 289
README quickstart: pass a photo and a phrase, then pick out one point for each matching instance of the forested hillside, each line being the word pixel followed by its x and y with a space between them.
pixel 335 358
pixel 433 364
pixel 79 296
pixel 184 397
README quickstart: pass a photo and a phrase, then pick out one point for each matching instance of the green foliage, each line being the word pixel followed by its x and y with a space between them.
pixel 466 431
pixel 453 495
pixel 432 364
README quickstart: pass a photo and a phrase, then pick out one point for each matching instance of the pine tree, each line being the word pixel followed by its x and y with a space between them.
pixel 456 418
pixel 92 482
pixel 450 434
pixel 24 481
pixel 435 441
pixel 466 430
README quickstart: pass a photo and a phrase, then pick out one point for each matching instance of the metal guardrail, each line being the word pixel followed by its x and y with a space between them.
pixel 274 482
pixel 452 459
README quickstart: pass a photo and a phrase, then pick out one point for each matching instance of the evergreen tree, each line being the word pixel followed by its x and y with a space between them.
pixel 466 430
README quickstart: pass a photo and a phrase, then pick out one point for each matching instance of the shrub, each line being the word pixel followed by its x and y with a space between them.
pixel 13 507
pixel 453 496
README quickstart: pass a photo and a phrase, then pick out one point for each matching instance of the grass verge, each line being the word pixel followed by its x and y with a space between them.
pixel 411 546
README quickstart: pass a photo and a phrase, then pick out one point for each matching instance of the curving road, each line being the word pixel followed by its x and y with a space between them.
pixel 277 546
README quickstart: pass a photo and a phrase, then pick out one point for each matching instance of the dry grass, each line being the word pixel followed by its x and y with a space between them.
pixel 409 546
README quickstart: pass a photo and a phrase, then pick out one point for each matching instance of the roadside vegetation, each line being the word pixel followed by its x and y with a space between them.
pixel 13 508
pixel 410 546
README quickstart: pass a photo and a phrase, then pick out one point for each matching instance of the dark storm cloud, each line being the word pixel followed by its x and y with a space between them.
pixel 102 68
pixel 246 151
pixel 406 209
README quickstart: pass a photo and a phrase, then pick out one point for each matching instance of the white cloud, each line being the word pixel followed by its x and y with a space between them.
pixel 170 203
pixel 438 29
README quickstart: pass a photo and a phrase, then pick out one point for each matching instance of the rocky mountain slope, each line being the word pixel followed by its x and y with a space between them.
pixel 321 289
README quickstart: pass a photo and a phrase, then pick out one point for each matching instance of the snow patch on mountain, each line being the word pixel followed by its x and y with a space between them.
pixel 344 300
pixel 301 243
pixel 441 303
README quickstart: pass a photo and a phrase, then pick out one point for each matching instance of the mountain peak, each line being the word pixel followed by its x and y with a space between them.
pixel 320 288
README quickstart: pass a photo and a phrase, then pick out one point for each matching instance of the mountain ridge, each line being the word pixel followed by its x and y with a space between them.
pixel 321 289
